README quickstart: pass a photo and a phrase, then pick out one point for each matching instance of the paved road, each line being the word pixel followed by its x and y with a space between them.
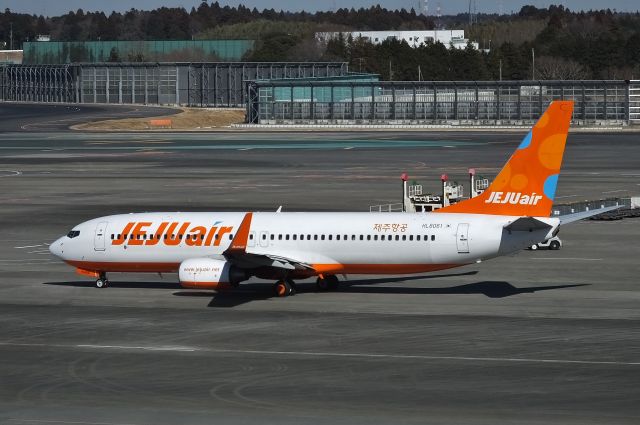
pixel 30 117
pixel 535 338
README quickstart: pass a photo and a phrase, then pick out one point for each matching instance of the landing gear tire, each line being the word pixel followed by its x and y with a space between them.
pixel 329 283
pixel 102 283
pixel 554 245
pixel 284 288
pixel 533 247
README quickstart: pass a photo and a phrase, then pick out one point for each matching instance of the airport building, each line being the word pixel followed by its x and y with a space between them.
pixel 320 93
pixel 450 38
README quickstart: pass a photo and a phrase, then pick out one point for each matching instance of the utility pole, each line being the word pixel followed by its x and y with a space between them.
pixel 533 64
pixel 500 69
pixel 390 71
pixel 11 36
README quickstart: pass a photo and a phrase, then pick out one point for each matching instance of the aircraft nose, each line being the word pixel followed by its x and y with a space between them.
pixel 57 247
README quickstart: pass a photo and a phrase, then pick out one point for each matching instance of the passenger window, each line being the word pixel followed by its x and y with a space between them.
pixel 330 237
pixel 321 237
pixel 433 237
pixel 251 236
pixel 368 237
pixel 279 237
pixel 397 237
pixel 410 237
pixel 418 237
pixel 272 237
pixel 426 238
pixel 287 236
pixel 295 237
pixel 230 236
pixel 308 237
pixel 361 237
pixel 381 237
pixel 337 237
pixel 353 237
pixel 346 237
pixel 375 237
pixel 404 237
pixel 315 237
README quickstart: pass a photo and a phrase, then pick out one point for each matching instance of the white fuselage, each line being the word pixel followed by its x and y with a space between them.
pixel 349 243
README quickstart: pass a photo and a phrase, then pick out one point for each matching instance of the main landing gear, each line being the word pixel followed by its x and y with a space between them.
pixel 284 288
pixel 327 283
pixel 287 287
pixel 102 281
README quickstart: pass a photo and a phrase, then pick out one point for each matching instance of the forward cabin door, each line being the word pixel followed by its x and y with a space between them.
pixel 462 238
pixel 99 238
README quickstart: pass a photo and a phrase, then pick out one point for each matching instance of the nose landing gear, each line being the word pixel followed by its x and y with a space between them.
pixel 102 281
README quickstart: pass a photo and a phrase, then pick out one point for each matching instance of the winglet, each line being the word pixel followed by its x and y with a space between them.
pixel 239 242
pixel 526 185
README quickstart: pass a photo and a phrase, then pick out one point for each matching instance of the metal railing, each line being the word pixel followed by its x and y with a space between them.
pixel 206 84
pixel 386 208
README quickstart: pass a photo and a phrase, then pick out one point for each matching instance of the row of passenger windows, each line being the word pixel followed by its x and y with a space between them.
pixel 287 237
pixel 295 237
pixel 165 237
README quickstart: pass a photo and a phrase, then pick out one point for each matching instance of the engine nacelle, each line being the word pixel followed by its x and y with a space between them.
pixel 207 273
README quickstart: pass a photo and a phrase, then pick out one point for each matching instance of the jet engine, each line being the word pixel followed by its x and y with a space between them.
pixel 208 273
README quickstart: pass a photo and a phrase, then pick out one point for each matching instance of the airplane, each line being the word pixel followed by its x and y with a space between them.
pixel 215 250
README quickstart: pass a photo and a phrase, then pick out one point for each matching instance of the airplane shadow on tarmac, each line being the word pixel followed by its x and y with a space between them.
pixel 261 291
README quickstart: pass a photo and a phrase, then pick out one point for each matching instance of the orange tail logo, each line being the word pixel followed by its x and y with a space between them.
pixel 526 185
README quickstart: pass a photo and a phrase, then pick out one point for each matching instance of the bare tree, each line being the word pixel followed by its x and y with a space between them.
pixel 554 68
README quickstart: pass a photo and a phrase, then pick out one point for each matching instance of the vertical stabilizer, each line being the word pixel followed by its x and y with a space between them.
pixel 526 185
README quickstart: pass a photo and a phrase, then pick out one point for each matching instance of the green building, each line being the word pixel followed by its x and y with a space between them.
pixel 60 52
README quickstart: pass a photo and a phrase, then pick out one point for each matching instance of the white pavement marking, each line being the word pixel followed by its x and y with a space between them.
pixel 49 421
pixel 13 173
pixel 27 246
pixel 615 191
pixel 567 258
pixel 323 354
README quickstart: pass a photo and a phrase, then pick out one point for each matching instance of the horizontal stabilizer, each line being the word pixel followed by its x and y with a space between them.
pixel 570 218
pixel 527 224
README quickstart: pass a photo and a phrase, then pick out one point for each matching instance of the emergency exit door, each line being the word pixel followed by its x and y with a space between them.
pixel 462 238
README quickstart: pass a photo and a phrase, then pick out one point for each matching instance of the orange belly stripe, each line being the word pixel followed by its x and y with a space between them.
pixel 337 268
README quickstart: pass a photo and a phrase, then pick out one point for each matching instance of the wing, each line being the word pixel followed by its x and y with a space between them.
pixel 237 252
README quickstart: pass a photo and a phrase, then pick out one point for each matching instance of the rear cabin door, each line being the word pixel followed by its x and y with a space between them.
pixel 462 238
pixel 264 239
pixel 99 238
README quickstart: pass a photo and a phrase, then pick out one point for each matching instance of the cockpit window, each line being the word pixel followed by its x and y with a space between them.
pixel 72 234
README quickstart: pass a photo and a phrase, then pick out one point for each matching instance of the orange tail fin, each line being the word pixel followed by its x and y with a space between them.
pixel 526 185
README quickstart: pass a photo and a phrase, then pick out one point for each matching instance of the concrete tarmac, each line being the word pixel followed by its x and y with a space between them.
pixel 537 337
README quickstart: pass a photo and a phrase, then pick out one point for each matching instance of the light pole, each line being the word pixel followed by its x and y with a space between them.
pixel 533 64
